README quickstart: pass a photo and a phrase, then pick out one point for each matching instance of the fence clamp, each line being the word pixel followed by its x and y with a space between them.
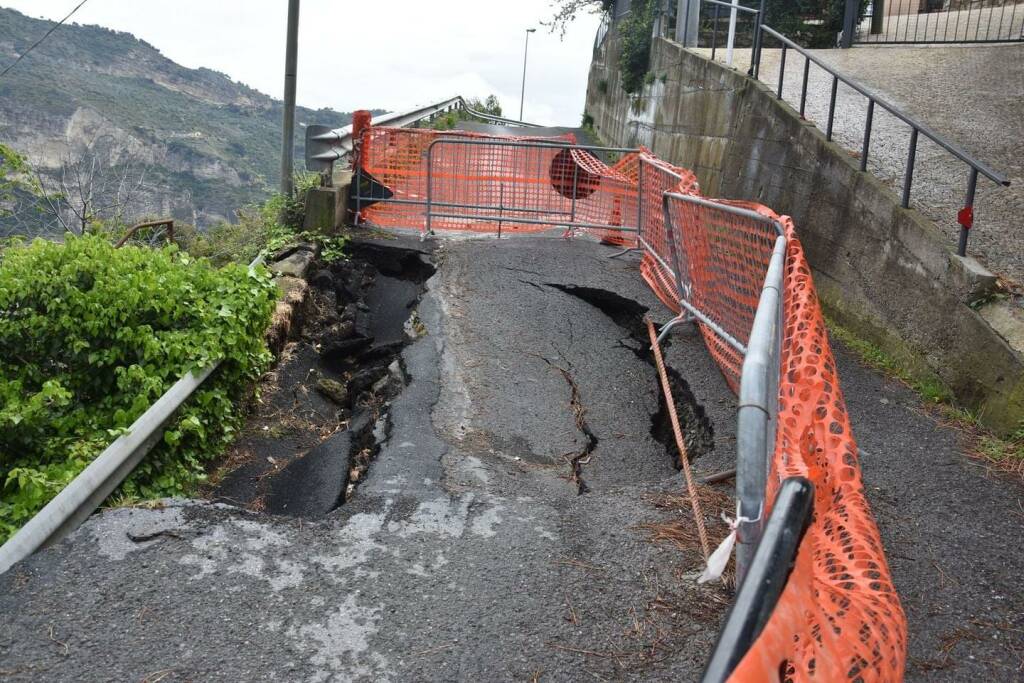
pixel 965 217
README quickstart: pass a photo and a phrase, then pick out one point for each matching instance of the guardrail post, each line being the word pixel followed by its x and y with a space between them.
pixel 849 23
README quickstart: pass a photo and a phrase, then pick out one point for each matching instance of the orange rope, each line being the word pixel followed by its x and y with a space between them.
pixel 684 461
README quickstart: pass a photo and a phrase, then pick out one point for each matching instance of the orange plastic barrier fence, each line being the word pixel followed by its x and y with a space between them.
pixel 839 618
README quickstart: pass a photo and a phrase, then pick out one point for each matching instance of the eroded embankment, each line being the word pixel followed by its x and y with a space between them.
pixel 323 410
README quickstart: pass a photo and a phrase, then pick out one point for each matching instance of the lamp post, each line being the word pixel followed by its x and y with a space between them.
pixel 526 51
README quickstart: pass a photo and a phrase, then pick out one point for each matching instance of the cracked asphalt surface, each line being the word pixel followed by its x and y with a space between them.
pixel 467 553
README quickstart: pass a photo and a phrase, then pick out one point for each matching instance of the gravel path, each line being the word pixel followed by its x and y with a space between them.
pixel 973 95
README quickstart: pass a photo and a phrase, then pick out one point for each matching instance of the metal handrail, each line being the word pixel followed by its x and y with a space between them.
pixel 935 137
pixel 966 215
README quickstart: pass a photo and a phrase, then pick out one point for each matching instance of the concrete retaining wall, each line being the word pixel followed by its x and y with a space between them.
pixel 882 271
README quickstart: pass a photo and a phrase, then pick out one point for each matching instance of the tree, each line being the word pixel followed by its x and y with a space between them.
pixel 94 185
pixel 566 12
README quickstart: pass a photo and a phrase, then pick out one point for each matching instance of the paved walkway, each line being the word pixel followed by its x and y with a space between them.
pixel 974 95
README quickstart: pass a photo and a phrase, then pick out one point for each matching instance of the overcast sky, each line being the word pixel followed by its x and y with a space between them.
pixel 391 54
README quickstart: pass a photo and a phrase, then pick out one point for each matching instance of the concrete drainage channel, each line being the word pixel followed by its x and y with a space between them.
pixel 323 410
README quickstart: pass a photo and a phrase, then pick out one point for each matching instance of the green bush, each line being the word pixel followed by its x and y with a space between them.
pixel 91 336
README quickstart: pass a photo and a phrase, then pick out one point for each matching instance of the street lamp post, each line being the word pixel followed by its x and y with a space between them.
pixel 526 51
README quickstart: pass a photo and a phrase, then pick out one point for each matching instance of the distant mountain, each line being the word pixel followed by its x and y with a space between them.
pixel 204 144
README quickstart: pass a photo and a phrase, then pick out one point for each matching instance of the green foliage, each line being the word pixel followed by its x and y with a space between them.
pixel 635 45
pixel 448 120
pixel 91 336
pixel 259 229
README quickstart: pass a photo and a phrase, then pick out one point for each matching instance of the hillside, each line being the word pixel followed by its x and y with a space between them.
pixel 204 144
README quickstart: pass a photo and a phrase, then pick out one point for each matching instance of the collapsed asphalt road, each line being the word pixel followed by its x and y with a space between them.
pixel 495 537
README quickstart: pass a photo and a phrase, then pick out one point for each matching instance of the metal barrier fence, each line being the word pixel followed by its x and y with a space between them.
pixel 941 21
pixel 738 271
pixel 479 183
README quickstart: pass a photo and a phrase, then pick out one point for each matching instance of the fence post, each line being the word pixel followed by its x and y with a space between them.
pixel 849 23
pixel 877 16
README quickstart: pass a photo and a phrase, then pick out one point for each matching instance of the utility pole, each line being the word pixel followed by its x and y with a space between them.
pixel 291 61
pixel 526 51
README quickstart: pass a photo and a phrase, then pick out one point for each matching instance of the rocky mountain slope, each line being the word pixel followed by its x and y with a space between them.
pixel 202 144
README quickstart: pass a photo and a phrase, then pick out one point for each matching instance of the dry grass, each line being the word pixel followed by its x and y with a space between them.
pixel 680 531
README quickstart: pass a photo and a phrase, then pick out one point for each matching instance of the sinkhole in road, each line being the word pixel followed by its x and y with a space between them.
pixel 698 430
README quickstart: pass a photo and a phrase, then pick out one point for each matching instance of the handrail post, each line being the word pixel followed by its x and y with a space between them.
pixel 782 71
pixel 966 215
pixel 832 108
pixel 866 147
pixel 714 34
pixel 908 177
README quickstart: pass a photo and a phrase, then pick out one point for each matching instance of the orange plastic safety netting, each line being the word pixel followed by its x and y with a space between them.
pixel 839 617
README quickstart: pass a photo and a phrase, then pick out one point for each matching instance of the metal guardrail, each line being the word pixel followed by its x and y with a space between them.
pixel 965 217
pixel 325 145
pixel 86 492
pixel 769 571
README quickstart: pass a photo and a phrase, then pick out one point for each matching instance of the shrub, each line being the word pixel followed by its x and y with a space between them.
pixel 91 336
pixel 635 45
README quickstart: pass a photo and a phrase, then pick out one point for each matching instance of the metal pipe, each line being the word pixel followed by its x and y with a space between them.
pixel 865 148
pixel 731 40
pixel 528 221
pixel 782 70
pixel 908 177
pixel 291 61
pixel 756 404
pixel 714 34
